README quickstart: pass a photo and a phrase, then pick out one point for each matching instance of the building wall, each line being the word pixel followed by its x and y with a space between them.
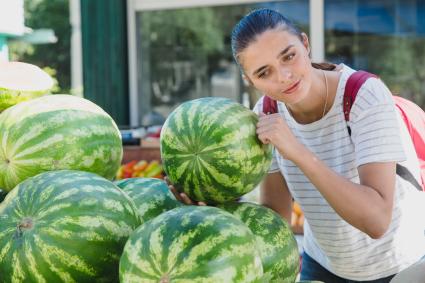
pixel 12 17
pixel 11 23
pixel 105 63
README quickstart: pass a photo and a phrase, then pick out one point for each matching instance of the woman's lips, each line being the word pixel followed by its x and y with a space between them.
pixel 292 88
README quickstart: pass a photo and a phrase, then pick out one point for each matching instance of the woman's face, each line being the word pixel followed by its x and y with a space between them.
pixel 277 63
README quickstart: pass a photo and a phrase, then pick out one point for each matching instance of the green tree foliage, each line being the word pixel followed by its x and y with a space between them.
pixel 400 64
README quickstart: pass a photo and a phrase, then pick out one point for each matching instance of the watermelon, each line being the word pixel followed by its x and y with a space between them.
pixel 150 195
pixel 210 150
pixel 2 195
pixel 64 226
pixel 191 244
pixel 57 132
pixel 20 82
pixel 275 240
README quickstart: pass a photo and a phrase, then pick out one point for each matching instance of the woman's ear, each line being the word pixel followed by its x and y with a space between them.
pixel 305 42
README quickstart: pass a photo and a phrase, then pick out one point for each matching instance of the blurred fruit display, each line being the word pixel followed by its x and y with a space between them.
pixel 140 168
pixel 297 219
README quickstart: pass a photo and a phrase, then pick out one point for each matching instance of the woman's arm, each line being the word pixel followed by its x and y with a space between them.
pixel 366 206
pixel 274 194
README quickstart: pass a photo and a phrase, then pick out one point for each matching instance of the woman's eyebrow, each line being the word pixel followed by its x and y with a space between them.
pixel 284 51
pixel 259 70
pixel 281 53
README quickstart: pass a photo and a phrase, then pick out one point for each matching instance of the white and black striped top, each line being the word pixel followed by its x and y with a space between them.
pixel 378 135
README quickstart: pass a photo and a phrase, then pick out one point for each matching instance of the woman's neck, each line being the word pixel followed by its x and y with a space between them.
pixel 320 99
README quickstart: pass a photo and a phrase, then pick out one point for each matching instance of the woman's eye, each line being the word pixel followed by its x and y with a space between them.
pixel 289 57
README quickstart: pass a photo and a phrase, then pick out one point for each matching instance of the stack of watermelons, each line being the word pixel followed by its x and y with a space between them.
pixel 64 220
pixel 210 151
pixel 58 222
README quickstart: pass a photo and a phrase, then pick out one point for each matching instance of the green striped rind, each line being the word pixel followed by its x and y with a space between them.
pixel 81 223
pixel 56 132
pixel 191 244
pixel 9 97
pixel 2 195
pixel 276 242
pixel 150 195
pixel 210 150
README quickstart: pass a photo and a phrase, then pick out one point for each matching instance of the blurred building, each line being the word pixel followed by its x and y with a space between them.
pixel 137 57
pixel 11 24
pixel 12 27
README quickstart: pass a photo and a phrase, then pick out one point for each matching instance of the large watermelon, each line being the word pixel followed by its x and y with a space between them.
pixel 2 195
pixel 56 132
pixel 210 150
pixel 191 244
pixel 150 195
pixel 64 226
pixel 275 240
pixel 20 82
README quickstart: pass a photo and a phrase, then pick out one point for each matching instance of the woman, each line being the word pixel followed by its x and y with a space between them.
pixel 357 210
pixel 363 222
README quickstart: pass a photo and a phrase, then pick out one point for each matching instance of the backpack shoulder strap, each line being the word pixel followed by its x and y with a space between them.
pixel 269 105
pixel 354 83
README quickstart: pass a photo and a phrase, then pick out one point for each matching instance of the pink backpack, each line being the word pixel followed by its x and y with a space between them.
pixel 412 114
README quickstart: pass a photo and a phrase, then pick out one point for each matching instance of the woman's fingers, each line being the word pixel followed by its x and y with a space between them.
pixel 189 201
pixel 186 199
pixel 264 140
pixel 182 197
pixel 167 180
pixel 266 128
pixel 172 189
pixel 175 193
pixel 266 133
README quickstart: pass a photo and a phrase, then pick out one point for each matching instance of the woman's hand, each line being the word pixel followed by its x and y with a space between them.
pixel 272 129
pixel 182 197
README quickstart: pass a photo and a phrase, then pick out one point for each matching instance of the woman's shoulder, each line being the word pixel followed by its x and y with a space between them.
pixel 372 90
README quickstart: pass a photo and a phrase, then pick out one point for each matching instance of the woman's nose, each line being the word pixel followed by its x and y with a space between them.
pixel 285 75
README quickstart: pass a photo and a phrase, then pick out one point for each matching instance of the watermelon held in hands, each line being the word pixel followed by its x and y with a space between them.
pixel 20 82
pixel 56 132
pixel 210 150
pixel 150 195
pixel 191 244
pixel 64 226
pixel 275 240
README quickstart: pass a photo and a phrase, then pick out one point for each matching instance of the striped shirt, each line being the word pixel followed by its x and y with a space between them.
pixel 378 135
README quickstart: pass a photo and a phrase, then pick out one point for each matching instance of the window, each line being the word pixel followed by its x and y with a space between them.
pixel 386 37
pixel 184 53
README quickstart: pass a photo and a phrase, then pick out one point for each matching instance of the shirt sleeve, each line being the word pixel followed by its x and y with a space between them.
pixel 274 167
pixel 375 129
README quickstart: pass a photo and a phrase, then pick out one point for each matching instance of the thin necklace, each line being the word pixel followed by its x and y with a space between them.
pixel 327 93
pixel 326 98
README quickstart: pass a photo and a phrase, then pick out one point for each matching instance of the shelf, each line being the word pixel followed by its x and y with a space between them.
pixel 139 152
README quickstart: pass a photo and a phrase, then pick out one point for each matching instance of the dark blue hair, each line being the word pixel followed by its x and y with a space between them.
pixel 255 23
